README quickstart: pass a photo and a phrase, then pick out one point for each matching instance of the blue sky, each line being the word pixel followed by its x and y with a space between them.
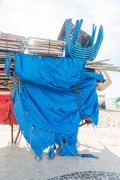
pixel 44 19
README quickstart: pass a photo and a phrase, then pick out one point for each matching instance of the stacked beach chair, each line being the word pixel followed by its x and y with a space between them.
pixel 45 47
pixel 31 45
pixel 79 43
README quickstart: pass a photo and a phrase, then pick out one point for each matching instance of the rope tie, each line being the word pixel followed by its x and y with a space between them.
pixel 75 90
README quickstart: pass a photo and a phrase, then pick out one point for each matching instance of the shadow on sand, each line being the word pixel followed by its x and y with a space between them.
pixel 20 163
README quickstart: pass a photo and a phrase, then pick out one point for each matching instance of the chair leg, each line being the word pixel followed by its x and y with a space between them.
pixel 17 136
pixel 11 134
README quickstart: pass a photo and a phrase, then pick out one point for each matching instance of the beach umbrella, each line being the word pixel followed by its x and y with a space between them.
pixel 118 99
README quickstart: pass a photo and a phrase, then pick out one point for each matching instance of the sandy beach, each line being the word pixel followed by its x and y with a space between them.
pixel 17 162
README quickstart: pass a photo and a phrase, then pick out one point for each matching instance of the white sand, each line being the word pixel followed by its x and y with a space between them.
pixel 18 163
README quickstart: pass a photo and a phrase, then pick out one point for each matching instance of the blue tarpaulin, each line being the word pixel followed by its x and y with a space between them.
pixel 53 96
